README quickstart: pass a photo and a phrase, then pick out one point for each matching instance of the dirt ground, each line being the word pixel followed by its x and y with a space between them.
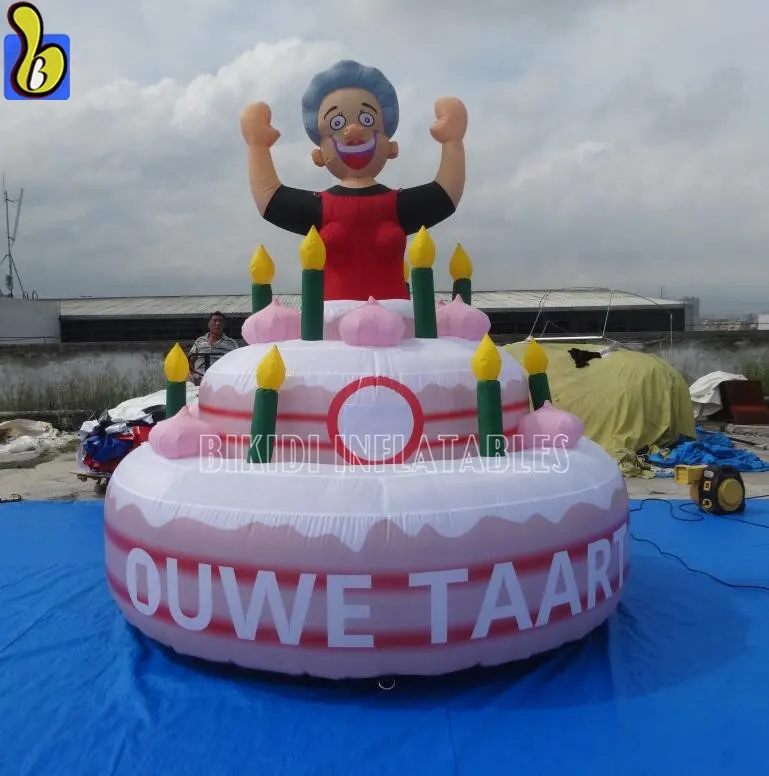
pixel 48 480
pixel 54 480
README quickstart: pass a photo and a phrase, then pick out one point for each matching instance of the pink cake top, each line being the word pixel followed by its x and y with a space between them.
pixel 274 323
pixel 458 319
pixel 372 325
pixel 550 427
pixel 179 436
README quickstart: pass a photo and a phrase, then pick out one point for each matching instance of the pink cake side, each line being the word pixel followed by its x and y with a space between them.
pixel 296 571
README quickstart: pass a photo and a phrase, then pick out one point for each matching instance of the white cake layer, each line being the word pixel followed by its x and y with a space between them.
pixel 417 363
pixel 321 499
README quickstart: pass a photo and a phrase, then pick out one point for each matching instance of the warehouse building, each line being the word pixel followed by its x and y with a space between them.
pixel 513 314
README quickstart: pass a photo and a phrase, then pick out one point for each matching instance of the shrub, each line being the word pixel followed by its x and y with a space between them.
pixel 92 390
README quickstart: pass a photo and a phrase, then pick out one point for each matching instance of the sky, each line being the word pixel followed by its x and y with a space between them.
pixel 611 143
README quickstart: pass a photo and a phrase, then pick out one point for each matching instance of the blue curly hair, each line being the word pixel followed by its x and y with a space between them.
pixel 347 74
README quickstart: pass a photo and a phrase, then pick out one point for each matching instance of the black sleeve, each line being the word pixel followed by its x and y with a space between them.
pixel 425 205
pixel 294 210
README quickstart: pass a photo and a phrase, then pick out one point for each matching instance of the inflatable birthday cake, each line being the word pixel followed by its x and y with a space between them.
pixel 370 487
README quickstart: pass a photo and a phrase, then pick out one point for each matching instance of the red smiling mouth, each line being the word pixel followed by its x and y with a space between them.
pixel 356 155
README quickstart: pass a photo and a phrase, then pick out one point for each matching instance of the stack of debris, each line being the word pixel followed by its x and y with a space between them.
pixel 105 442
pixel 723 397
pixel 24 442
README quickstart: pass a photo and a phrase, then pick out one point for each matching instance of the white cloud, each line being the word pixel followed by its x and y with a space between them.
pixel 618 143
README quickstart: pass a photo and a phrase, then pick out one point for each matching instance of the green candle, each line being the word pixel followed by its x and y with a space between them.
pixel 406 273
pixel 491 439
pixel 312 304
pixel 270 375
pixel 262 273
pixel 487 365
pixel 313 256
pixel 461 270
pixel 462 287
pixel 261 296
pixel 177 369
pixel 262 435
pixel 535 363
pixel 425 323
pixel 422 256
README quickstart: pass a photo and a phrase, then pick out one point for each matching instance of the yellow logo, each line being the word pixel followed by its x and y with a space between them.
pixel 41 67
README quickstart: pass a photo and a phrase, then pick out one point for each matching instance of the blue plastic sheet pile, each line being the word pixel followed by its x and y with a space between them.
pixel 710 448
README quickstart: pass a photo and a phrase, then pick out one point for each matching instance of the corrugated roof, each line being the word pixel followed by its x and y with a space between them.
pixel 237 304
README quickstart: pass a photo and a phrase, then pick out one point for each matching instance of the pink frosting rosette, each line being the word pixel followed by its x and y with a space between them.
pixel 458 319
pixel 274 323
pixel 550 427
pixel 372 325
pixel 179 436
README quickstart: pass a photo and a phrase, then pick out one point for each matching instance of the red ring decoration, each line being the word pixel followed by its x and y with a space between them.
pixel 338 401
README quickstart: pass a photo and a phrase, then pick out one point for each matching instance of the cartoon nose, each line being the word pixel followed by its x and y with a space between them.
pixel 353 133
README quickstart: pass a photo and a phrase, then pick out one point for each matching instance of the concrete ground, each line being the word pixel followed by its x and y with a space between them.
pixel 54 480
pixel 48 480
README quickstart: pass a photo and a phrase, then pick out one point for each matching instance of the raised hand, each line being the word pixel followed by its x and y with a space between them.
pixel 450 120
pixel 256 126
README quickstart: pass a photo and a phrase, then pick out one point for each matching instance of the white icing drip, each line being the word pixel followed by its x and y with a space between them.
pixel 320 500
pixel 417 363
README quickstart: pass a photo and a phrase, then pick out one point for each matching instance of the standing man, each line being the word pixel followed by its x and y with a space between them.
pixel 210 347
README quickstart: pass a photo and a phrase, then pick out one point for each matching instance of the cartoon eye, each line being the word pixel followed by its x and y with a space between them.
pixel 337 123
pixel 366 119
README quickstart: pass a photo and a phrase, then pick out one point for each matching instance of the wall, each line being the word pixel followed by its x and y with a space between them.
pixel 516 324
pixel 28 321
pixel 35 364
pixel 165 329
pixel 510 323
pixel 84 380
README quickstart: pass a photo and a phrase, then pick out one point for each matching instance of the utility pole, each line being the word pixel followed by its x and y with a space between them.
pixel 10 238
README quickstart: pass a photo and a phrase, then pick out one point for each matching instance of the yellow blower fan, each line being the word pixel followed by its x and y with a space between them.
pixel 718 490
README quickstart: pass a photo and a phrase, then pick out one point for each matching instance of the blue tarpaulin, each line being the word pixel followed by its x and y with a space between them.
pixel 105 447
pixel 676 682
pixel 711 447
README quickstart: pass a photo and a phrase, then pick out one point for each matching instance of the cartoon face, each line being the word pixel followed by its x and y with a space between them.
pixel 353 141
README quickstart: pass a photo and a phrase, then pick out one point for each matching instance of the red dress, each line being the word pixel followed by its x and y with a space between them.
pixel 364 231
pixel 365 246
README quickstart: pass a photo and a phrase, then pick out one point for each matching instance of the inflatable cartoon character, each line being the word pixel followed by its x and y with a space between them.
pixel 351 113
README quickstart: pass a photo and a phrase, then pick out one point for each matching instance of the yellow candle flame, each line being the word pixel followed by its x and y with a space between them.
pixel 422 250
pixel 176 366
pixel 460 266
pixel 406 270
pixel 271 372
pixel 262 268
pixel 312 251
pixel 487 363
pixel 535 358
